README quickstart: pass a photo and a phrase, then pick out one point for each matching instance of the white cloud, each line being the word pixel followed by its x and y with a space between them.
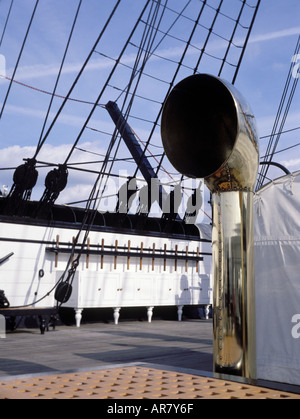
pixel 292 163
pixel 270 36
pixel 79 184
pixel 13 155
pixel 70 120
pixel 75 193
pixel 266 124
pixel 66 119
pixel 38 71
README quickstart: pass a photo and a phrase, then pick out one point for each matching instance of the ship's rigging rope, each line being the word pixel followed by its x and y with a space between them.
pixel 145 50
pixel 280 120
pixel 59 74
pixel 152 28
pixel 149 51
pixel 230 43
pixel 6 22
pixel 152 52
pixel 148 38
pixel 180 63
pixel 57 179
pixel 256 8
pixel 63 286
pixel 210 31
pixel 208 34
pixel 19 57
pixel 171 85
pixel 46 92
pixel 78 77
pixel 93 200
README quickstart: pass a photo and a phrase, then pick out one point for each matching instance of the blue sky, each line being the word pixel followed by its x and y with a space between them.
pixel 261 79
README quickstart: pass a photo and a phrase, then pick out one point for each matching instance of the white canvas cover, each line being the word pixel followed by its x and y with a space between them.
pixel 277 260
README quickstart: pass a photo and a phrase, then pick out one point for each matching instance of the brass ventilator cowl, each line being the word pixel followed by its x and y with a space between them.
pixel 208 131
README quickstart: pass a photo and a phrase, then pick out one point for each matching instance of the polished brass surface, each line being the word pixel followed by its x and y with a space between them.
pixel 234 290
pixel 209 131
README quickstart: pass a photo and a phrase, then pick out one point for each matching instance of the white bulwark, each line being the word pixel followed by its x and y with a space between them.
pixel 116 270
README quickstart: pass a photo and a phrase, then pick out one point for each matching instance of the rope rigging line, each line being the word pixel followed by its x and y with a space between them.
pixel 232 37
pixel 203 51
pixel 79 75
pixel 101 94
pixel 184 65
pixel 229 17
pixel 83 101
pixel 211 7
pixel 167 34
pixel 6 22
pixel 56 180
pixel 244 47
pixel 104 87
pixel 146 45
pixel 26 175
pixel 280 151
pixel 147 35
pixel 246 41
pixel 90 211
pixel 171 85
pixel 19 57
pixel 86 102
pixel 46 92
pixel 134 94
pixel 60 71
pixel 208 35
pixel 180 64
pixel 130 67
pixel 157 46
pixel 281 132
pixel 280 119
pixel 114 137
pixel 160 167
pixel 147 48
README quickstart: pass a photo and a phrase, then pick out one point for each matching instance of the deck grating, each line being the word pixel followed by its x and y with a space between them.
pixel 133 382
